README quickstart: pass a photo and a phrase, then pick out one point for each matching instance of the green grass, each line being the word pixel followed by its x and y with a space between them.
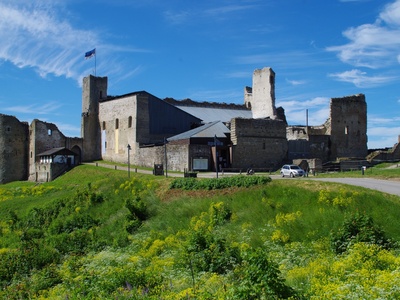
pixel 293 219
pixel 381 171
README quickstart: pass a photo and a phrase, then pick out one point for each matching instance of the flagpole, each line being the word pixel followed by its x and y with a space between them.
pixel 95 57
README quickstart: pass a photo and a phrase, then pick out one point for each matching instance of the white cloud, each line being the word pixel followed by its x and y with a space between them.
pixel 47 108
pixel 382 136
pixel 227 9
pixel 227 96
pixel 391 13
pixel 295 82
pixel 382 131
pixel 360 79
pixel 373 45
pixel 214 13
pixel 295 111
pixel 33 34
pixel 354 0
pixel 68 129
pixel 177 18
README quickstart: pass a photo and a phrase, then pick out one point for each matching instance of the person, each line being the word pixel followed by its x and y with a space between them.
pixel 250 171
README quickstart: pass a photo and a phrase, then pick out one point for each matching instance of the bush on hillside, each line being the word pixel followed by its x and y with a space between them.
pixel 358 228
pixel 137 213
pixel 259 278
pixel 218 183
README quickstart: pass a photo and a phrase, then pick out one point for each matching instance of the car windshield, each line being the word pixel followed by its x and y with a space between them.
pixel 295 167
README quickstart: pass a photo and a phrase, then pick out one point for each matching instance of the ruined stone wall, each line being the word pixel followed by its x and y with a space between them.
pixel 296 132
pixel 93 89
pixel 302 145
pixel 248 96
pixel 43 136
pixel 392 154
pixel 348 120
pixel 263 94
pixel 258 143
pixel 14 142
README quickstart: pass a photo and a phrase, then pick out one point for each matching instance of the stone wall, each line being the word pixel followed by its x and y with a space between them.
pixel 49 171
pixel 392 154
pixel 302 145
pixel 43 136
pixel 263 94
pixel 140 120
pixel 93 89
pixel 119 121
pixel 14 136
pixel 258 143
pixel 348 122
pixel 177 157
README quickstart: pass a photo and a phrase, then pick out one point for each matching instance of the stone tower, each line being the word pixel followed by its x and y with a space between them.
pixel 93 90
pixel 262 98
pixel 14 142
pixel 348 128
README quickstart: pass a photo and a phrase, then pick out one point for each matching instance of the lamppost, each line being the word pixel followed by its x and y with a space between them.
pixel 216 154
pixel 165 157
pixel 129 162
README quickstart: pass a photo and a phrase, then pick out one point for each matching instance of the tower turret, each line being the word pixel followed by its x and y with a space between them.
pixel 93 90
pixel 263 94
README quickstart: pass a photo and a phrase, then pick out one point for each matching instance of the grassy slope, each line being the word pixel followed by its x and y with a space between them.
pixel 258 206
pixel 258 212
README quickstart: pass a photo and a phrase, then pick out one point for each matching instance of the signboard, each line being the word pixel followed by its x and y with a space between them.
pixel 200 164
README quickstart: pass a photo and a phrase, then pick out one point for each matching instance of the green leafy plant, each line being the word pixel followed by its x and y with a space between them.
pixel 218 183
pixel 358 228
pixel 257 277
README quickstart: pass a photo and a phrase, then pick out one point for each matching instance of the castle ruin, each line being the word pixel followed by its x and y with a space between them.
pixel 182 135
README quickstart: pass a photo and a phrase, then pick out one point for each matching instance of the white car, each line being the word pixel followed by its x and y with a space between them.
pixel 292 171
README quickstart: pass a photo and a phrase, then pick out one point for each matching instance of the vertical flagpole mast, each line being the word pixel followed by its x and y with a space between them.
pixel 95 55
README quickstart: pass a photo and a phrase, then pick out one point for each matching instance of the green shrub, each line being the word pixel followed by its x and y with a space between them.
pixel 44 279
pixel 219 213
pixel 259 278
pixel 76 242
pixel 137 207
pixel 73 222
pixel 205 249
pixel 137 213
pixel 358 228
pixel 218 183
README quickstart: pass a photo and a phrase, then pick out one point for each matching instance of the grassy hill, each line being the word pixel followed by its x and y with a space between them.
pixel 95 234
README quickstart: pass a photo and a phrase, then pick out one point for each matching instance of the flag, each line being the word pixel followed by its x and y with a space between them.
pixel 90 53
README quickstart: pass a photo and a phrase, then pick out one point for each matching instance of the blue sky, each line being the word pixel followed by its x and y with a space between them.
pixel 203 50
